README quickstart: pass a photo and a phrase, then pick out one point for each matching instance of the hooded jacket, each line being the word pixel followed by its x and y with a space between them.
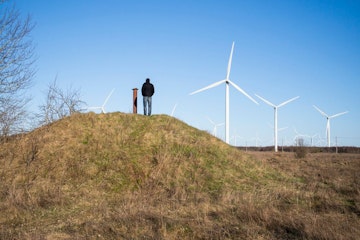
pixel 147 89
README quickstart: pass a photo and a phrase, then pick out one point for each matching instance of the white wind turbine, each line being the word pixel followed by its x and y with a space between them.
pixel 299 138
pixel 215 126
pixel 103 106
pixel 275 116
pixel 227 81
pixel 299 135
pixel 257 139
pixel 236 137
pixel 328 122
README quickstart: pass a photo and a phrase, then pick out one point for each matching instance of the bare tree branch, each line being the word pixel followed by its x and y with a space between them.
pixel 59 104
pixel 16 71
pixel 16 52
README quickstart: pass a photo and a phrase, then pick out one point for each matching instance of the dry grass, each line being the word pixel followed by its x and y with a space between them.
pixel 126 176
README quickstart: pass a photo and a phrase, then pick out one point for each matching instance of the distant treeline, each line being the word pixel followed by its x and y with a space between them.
pixel 342 149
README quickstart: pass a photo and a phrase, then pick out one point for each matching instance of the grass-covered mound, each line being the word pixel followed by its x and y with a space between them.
pixel 127 176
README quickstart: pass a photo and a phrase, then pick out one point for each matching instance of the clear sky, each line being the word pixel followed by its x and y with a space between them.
pixel 283 49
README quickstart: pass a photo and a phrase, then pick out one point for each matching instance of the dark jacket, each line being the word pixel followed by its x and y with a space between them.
pixel 147 89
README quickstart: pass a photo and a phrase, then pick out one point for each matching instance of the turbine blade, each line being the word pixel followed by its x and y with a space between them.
pixel 322 113
pixel 94 108
pixel 242 91
pixel 211 121
pixel 108 97
pixel 280 129
pixel 286 102
pixel 229 63
pixel 173 110
pixel 266 101
pixel 339 114
pixel 208 87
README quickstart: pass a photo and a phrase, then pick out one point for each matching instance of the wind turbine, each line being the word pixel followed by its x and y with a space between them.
pixel 257 139
pixel 299 138
pixel 275 116
pixel 235 137
pixel 215 126
pixel 299 135
pixel 328 122
pixel 312 139
pixel 103 106
pixel 227 82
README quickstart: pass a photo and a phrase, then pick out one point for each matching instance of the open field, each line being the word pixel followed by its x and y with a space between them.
pixel 339 149
pixel 126 176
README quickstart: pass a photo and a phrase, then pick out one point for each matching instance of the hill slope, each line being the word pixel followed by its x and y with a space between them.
pixel 126 176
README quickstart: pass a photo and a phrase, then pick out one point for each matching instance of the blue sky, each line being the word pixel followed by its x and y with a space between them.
pixel 283 49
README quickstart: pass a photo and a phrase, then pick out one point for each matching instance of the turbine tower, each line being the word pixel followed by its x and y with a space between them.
pixel 103 106
pixel 227 82
pixel 275 116
pixel 328 122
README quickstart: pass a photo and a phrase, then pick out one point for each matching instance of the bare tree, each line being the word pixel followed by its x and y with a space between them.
pixel 59 104
pixel 16 66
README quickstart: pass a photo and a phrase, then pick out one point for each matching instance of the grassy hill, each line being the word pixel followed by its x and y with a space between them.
pixel 127 176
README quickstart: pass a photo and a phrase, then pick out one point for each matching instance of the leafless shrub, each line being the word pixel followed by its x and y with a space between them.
pixel 300 149
pixel 59 104
pixel 300 152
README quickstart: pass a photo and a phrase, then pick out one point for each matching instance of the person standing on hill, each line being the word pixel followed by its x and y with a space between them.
pixel 147 91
